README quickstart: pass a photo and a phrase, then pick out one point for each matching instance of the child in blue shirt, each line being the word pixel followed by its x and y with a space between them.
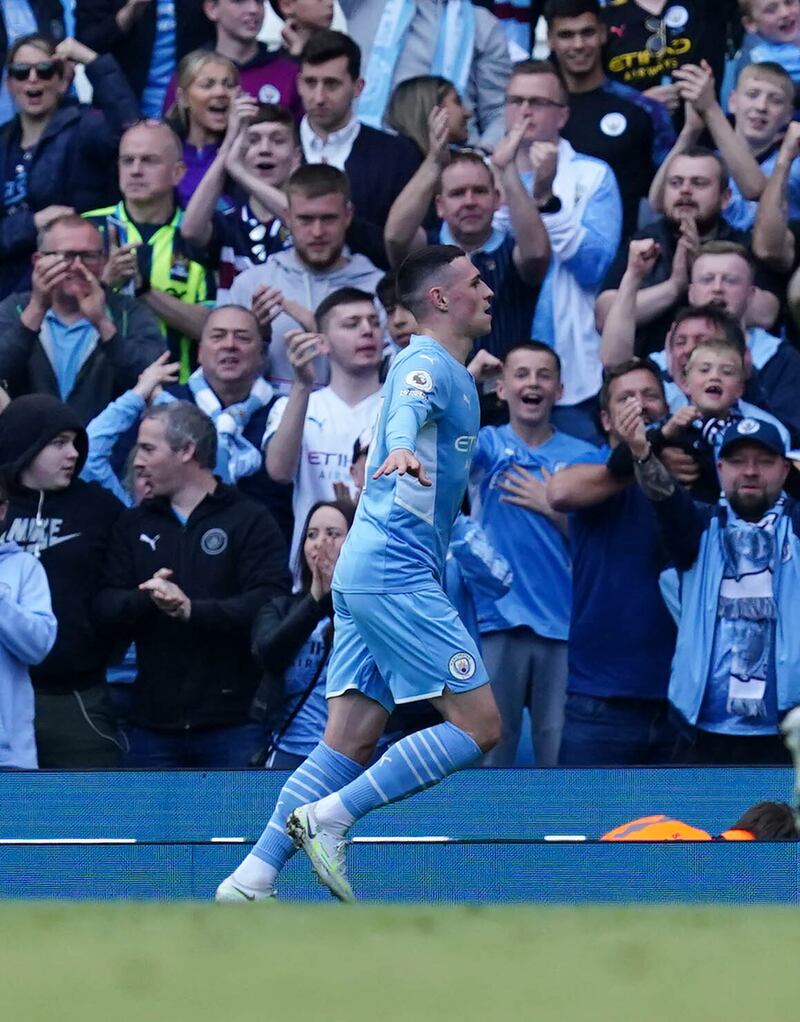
pixel 772 33
pixel 524 633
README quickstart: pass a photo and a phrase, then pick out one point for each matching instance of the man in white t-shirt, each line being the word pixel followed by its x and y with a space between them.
pixel 310 434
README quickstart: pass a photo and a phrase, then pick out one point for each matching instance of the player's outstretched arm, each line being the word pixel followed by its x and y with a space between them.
pixel 402 462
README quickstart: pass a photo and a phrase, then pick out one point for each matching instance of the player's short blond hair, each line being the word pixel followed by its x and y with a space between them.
pixel 770 72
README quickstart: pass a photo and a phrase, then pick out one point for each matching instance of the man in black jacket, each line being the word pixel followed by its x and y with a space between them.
pixel 66 523
pixel 131 30
pixel 378 165
pixel 186 573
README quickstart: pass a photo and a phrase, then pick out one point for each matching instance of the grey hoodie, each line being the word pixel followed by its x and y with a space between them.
pixel 297 281
pixel 27 634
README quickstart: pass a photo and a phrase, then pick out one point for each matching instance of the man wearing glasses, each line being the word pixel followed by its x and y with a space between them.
pixel 70 336
pixel 580 206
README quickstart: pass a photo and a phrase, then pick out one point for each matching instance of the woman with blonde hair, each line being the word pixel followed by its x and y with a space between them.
pixel 410 107
pixel 208 84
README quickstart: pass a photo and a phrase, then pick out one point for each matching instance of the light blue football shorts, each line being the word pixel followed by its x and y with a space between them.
pixel 401 647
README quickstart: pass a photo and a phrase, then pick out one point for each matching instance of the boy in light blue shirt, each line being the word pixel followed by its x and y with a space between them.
pixel 524 634
pixel 772 33
pixel 762 104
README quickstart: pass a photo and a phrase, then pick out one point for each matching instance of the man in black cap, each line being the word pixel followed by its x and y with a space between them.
pixel 66 523
pixel 734 674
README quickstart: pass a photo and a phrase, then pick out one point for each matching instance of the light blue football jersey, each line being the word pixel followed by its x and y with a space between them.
pixel 401 532
pixel 541 594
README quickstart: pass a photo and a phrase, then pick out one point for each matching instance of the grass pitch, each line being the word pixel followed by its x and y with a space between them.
pixel 137 962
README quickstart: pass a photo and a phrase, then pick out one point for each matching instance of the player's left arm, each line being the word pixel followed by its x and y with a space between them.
pixel 403 461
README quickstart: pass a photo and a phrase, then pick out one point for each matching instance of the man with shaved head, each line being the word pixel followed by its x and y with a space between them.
pixel 147 256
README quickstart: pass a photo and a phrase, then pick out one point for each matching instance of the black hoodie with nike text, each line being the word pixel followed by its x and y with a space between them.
pixel 67 530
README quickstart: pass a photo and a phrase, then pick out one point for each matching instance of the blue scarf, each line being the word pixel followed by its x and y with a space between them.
pixel 452 58
pixel 746 608
pixel 236 456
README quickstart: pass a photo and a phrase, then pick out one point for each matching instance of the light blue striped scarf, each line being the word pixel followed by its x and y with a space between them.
pixel 747 609
pixel 236 456
pixel 452 58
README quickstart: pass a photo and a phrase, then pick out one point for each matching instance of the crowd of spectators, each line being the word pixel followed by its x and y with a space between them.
pixel 199 237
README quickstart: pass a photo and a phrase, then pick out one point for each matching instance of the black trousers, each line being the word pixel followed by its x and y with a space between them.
pixel 76 730
pixel 736 750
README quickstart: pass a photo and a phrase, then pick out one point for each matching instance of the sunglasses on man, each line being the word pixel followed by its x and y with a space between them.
pixel 45 70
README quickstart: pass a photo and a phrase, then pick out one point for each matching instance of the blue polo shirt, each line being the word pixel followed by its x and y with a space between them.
pixel 70 345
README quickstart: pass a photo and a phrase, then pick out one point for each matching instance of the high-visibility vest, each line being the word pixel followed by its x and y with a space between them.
pixel 170 269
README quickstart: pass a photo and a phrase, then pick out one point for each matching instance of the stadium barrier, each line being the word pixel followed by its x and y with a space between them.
pixel 481 836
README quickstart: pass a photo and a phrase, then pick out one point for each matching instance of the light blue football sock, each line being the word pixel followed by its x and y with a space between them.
pixel 415 762
pixel 324 771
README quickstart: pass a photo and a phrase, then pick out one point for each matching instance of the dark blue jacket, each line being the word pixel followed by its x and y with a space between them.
pixel 780 380
pixel 96 25
pixel 74 164
pixel 379 167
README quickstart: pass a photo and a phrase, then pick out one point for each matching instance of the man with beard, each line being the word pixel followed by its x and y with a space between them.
pixel 318 216
pixel 734 674
pixel 695 194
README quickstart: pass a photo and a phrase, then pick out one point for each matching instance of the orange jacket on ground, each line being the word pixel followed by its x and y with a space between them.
pixel 665 828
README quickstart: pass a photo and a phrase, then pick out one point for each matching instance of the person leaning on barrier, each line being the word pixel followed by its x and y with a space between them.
pixel 27 633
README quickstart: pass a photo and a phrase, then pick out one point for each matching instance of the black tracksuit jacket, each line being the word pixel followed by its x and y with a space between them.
pixel 230 559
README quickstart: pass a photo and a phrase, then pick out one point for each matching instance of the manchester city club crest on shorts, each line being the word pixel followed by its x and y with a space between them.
pixel 462 666
pixel 214 542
